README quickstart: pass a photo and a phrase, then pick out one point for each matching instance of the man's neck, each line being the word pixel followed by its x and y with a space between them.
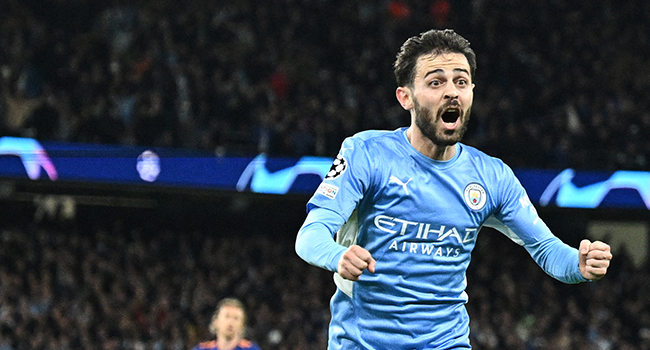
pixel 227 343
pixel 425 146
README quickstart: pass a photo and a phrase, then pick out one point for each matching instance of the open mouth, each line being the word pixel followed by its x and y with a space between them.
pixel 451 115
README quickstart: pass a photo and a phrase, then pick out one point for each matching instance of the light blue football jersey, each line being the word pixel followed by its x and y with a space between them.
pixel 419 218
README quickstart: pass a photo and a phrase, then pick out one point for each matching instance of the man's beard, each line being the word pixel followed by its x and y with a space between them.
pixel 428 124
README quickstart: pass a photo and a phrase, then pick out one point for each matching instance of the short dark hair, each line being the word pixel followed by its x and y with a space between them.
pixel 434 41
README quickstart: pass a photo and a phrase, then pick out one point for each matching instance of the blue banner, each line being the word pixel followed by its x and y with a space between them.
pixel 120 165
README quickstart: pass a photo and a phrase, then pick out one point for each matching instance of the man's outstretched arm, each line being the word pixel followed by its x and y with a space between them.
pixel 315 244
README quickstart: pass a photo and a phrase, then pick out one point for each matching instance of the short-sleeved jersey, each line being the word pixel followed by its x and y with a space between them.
pixel 419 218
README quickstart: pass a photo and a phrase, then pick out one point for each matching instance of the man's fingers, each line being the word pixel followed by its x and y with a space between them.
pixel 599 251
pixel 595 273
pixel 598 245
pixel 349 272
pixel 354 261
pixel 599 255
pixel 598 263
pixel 371 265
pixel 363 257
pixel 584 246
pixel 603 248
pixel 594 259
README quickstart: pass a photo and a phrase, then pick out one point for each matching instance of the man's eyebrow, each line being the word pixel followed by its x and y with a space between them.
pixel 439 70
pixel 435 71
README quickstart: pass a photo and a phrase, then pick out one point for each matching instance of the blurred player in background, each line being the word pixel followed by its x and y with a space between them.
pixel 406 206
pixel 228 324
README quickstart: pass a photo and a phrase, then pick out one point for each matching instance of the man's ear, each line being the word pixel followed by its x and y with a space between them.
pixel 403 95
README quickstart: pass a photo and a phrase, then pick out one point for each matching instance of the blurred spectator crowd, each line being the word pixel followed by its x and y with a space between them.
pixel 110 282
pixel 120 285
pixel 559 83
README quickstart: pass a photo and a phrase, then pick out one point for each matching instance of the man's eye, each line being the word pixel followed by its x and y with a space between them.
pixel 462 82
pixel 435 82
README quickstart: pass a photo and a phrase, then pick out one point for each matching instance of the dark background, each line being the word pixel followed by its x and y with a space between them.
pixel 559 84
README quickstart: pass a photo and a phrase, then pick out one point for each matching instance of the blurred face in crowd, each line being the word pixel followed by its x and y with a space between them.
pixel 229 322
pixel 440 98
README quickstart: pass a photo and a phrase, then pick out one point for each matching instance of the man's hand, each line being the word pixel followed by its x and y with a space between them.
pixel 354 261
pixel 594 259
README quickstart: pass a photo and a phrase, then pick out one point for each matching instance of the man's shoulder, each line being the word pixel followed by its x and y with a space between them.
pixel 244 344
pixel 367 135
pixel 376 142
pixel 478 155
pixel 247 344
pixel 492 168
pixel 207 345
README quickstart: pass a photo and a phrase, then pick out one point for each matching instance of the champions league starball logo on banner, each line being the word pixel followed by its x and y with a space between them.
pixel 148 166
pixel 27 158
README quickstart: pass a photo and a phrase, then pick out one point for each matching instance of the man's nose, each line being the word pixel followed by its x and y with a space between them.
pixel 451 93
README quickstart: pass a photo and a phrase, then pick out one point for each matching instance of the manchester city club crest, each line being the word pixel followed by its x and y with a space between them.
pixel 475 196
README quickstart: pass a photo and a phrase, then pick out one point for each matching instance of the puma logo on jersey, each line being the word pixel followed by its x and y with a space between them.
pixel 393 179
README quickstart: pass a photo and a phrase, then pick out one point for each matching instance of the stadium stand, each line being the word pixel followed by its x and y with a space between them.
pixel 559 84
pixel 128 279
